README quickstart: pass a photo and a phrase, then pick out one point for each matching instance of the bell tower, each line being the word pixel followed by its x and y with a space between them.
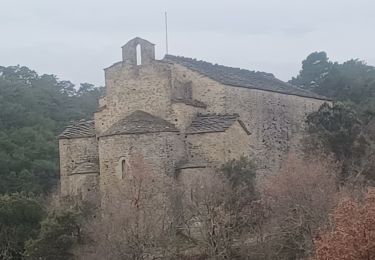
pixel 138 52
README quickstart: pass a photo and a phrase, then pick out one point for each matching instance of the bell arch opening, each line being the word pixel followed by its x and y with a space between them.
pixel 138 51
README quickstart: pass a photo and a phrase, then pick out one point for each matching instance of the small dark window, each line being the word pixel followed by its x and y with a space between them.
pixel 123 167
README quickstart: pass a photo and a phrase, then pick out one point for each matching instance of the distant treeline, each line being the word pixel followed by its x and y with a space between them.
pixel 33 111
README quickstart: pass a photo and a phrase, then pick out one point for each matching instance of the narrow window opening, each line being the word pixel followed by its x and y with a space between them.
pixel 139 54
pixel 123 167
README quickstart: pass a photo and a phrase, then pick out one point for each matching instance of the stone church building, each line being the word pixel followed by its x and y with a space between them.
pixel 180 117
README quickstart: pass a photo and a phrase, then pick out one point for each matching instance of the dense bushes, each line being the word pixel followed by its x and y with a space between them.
pixel 59 233
pixel 352 235
pixel 20 218
pixel 339 131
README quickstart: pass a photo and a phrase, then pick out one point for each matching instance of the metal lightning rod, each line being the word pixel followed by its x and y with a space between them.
pixel 166 32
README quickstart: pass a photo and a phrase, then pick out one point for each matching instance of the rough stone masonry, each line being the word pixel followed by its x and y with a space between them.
pixel 178 118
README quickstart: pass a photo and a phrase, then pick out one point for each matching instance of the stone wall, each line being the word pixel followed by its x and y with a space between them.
pixel 181 115
pixel 218 147
pixel 73 153
pixel 151 157
pixel 85 187
pixel 130 88
pixel 275 120
pixel 204 89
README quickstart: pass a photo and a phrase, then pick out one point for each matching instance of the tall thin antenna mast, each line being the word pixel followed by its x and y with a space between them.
pixel 166 33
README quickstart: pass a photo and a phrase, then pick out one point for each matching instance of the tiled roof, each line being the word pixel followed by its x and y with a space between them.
pixel 212 123
pixel 82 128
pixel 86 167
pixel 140 122
pixel 241 77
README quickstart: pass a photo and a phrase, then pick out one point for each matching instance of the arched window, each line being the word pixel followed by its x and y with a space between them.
pixel 139 54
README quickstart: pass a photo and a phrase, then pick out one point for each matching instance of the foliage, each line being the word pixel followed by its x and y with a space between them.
pixel 19 221
pixel 34 110
pixel 353 235
pixel 59 232
pixel 352 81
pixel 343 129
pixel 240 172
pixel 314 70
pixel 337 129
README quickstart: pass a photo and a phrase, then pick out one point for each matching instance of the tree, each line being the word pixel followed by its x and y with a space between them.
pixel 315 68
pixel 352 81
pixel 338 130
pixel 59 233
pixel 140 222
pixel 34 110
pixel 20 218
pixel 352 236
pixel 300 198
pixel 220 209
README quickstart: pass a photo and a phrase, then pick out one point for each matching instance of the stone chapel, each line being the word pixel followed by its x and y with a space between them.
pixel 179 117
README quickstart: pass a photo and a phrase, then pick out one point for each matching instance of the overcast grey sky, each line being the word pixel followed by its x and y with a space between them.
pixel 76 39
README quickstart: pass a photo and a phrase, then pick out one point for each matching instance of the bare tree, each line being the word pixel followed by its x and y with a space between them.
pixel 301 197
pixel 138 222
pixel 221 208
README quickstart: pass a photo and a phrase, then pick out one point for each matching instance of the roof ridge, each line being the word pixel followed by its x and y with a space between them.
pixel 219 65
